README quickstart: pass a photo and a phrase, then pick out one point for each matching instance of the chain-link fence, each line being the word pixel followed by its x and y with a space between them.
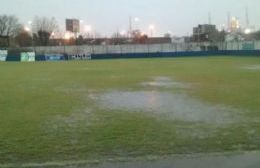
pixel 85 52
pixel 145 48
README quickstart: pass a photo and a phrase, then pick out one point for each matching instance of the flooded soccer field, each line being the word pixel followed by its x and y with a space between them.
pixel 54 112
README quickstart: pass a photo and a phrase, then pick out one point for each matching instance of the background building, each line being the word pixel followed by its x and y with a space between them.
pixel 235 25
pixel 73 25
pixel 204 32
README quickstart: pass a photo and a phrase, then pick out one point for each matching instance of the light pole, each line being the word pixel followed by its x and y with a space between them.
pixel 66 37
pixel 136 20
pixel 151 29
pixel 29 31
pixel 88 29
pixel 81 25
pixel 123 33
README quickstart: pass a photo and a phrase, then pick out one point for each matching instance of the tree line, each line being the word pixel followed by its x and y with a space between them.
pixel 42 29
pixel 14 34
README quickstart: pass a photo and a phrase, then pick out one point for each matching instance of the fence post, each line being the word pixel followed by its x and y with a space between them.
pixel 64 49
pixel 148 47
pixel 92 49
pixel 106 49
pixel 121 50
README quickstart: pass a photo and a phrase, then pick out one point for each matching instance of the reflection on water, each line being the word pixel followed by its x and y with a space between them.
pixel 166 83
pixel 252 67
pixel 175 106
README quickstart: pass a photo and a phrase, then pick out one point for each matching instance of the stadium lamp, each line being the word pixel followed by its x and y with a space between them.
pixel 151 28
pixel 52 34
pixel 27 29
pixel 88 28
pixel 247 31
pixel 123 32
pixel 136 19
pixel 67 36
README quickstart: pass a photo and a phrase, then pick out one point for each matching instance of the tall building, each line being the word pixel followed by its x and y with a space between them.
pixel 203 32
pixel 235 25
pixel 73 25
pixel 248 27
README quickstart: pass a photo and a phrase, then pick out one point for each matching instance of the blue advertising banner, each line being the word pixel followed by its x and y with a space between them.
pixel 54 57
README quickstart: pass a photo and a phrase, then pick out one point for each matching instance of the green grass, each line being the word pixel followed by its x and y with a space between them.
pixel 43 104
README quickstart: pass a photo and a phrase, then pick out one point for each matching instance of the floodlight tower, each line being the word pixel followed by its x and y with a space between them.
pixel 130 27
pixel 228 22
pixel 247 18
pixel 209 18
pixel 151 29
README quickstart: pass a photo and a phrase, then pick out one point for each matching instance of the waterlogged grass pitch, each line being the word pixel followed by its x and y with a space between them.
pixel 69 111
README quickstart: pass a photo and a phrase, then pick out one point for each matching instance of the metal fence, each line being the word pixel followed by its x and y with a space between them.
pixel 146 48
pixel 87 52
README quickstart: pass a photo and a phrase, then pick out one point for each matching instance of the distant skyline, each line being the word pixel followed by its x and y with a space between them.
pixel 109 16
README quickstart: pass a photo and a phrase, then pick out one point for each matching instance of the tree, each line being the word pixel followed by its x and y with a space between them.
pixel 136 34
pixel 43 28
pixel 167 35
pixel 9 27
pixel 24 39
pixel 253 36
pixel 139 37
pixel 217 36
pixel 117 38
pixel 80 40
pixel 143 39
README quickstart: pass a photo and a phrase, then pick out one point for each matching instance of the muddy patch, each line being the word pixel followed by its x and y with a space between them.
pixel 71 88
pixel 174 106
pixel 70 123
pixel 252 67
pixel 195 132
pixel 70 126
pixel 165 82
pixel 212 160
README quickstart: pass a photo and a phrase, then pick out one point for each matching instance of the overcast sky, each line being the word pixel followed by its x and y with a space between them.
pixel 108 16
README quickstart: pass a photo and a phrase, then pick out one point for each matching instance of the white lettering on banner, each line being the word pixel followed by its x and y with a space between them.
pixel 28 56
pixel 81 57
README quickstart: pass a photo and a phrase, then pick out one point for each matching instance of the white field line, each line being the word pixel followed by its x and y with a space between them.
pixel 122 159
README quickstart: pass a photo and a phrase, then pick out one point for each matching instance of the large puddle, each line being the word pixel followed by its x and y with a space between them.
pixel 174 106
pixel 253 67
pixel 165 82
